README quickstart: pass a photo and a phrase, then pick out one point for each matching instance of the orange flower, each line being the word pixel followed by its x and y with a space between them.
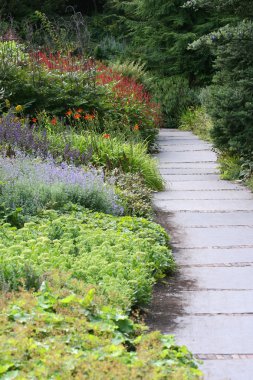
pixel 89 117
pixel 77 116
pixel 106 136
pixel 80 110
pixel 34 120
pixel 136 127
pixel 68 113
pixel 54 121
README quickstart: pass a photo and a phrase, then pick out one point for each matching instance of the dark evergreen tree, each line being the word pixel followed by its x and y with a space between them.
pixel 160 32
pixel 229 99
pixel 19 10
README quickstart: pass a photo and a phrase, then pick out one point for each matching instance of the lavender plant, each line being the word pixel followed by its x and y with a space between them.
pixel 16 135
pixel 35 185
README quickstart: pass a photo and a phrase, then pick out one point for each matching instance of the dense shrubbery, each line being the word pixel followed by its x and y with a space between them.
pixel 60 84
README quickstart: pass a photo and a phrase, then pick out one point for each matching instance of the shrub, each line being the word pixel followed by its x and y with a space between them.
pixel 131 100
pixel 57 82
pixel 34 186
pixel 230 167
pixel 197 121
pixel 134 194
pixel 175 97
pixel 80 148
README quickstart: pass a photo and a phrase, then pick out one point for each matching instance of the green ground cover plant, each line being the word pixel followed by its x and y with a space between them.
pixel 61 335
pixel 121 257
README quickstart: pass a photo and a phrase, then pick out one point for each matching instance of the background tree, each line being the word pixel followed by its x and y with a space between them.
pixel 229 99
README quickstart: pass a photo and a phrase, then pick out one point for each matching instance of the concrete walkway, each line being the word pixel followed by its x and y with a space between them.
pixel 209 303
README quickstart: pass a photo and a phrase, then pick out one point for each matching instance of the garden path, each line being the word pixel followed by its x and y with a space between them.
pixel 208 305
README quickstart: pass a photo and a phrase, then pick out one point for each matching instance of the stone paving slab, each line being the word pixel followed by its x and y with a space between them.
pixel 188 171
pixel 175 132
pixel 206 156
pixel 218 257
pixel 228 369
pixel 178 135
pixel 218 278
pixel 202 185
pixel 163 138
pixel 186 142
pixel 214 302
pixel 227 236
pixel 185 148
pixel 211 195
pixel 194 177
pixel 205 205
pixel 215 334
pixel 205 219
pixel 188 165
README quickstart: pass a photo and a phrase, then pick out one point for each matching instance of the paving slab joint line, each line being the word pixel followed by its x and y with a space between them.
pixel 196 289
pixel 187 162
pixel 219 226
pixel 223 356
pixel 213 246
pixel 210 211
pixel 218 265
pixel 183 314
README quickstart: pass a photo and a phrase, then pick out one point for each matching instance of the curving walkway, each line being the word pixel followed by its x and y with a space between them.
pixel 208 305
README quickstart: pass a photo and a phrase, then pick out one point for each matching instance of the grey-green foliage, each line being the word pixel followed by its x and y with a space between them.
pixel 37 185
pixel 242 8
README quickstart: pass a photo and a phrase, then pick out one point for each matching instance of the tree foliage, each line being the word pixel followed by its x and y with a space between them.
pixel 229 99
pixel 160 31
